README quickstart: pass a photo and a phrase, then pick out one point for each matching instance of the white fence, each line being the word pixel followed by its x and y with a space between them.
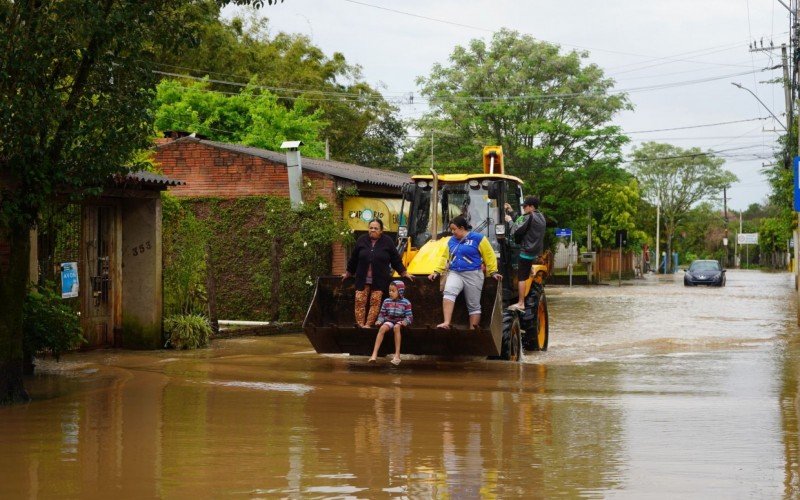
pixel 565 255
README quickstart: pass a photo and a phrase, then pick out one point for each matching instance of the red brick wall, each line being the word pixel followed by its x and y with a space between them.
pixel 338 259
pixel 209 171
pixel 214 172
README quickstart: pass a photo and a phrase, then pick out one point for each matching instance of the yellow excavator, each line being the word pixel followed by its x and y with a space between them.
pixel 433 200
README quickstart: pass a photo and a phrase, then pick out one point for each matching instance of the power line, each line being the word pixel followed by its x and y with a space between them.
pixel 454 98
pixel 696 126
pixel 487 30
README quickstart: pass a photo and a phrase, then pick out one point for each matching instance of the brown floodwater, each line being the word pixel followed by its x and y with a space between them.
pixel 648 391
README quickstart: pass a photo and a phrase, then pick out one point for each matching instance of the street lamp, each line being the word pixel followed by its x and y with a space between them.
pixel 762 103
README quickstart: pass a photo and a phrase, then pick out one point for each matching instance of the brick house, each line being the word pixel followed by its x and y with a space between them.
pixel 221 170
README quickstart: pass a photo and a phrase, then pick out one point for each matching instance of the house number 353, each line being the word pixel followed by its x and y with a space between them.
pixel 141 248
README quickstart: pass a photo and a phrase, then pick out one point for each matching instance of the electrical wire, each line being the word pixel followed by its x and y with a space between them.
pixel 696 126
pixel 455 98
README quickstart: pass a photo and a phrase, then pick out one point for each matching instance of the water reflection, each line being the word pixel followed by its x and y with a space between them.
pixel 657 406
pixel 790 415
pixel 209 427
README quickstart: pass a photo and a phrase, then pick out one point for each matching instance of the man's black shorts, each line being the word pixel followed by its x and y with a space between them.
pixel 524 268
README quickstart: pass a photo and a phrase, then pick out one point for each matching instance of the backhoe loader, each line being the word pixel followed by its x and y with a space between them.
pixel 433 200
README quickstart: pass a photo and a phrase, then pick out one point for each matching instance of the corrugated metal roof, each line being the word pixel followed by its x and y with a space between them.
pixel 339 169
pixel 148 178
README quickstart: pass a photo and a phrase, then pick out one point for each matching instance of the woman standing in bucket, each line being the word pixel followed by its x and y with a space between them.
pixel 371 262
pixel 467 252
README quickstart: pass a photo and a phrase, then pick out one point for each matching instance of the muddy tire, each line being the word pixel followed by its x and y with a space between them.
pixel 537 325
pixel 542 325
pixel 512 337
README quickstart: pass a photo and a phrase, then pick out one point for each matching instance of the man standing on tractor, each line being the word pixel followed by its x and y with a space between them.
pixel 528 232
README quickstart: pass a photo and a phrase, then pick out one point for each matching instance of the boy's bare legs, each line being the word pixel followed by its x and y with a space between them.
pixel 397 338
pixel 378 340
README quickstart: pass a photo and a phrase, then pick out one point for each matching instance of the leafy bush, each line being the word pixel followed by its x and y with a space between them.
pixel 187 331
pixel 185 240
pixel 49 323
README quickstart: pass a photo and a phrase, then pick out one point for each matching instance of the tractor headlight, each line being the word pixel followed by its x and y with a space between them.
pixel 402 232
pixel 500 230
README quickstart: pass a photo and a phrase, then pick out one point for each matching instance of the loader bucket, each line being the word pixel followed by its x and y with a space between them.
pixel 330 322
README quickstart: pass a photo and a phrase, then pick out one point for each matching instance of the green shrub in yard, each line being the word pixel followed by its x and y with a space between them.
pixel 184 239
pixel 50 325
pixel 187 331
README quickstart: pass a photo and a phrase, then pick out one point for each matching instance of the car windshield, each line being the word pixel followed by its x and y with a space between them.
pixel 704 265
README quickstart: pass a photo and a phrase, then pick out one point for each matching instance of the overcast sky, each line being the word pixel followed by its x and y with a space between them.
pixel 676 57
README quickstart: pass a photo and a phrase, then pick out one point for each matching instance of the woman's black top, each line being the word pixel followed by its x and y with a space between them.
pixel 382 255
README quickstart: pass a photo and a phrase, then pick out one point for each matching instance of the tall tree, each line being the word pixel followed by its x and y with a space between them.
pixel 252 117
pixel 677 179
pixel 243 50
pixel 549 110
pixel 75 87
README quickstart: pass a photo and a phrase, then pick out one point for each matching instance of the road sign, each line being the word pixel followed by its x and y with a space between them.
pixel 747 238
pixel 621 237
pixel 796 165
pixel 563 232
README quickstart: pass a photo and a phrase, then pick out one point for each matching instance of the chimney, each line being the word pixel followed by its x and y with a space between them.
pixel 295 171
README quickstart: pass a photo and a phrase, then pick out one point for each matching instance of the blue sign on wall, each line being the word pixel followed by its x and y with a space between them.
pixel 795 166
pixel 69 280
pixel 563 232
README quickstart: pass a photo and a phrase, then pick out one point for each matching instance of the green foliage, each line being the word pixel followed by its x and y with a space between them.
pixel 701 233
pixel 265 256
pixel 616 208
pixel 360 124
pixel 252 117
pixel 774 234
pixel 75 86
pixel 382 145
pixel 185 239
pixel 549 110
pixel 781 200
pixel 50 324
pixel 187 331
pixel 677 179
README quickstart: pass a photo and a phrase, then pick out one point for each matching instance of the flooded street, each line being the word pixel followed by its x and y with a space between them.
pixel 649 390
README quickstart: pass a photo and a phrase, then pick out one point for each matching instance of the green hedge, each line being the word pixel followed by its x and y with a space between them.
pixel 263 255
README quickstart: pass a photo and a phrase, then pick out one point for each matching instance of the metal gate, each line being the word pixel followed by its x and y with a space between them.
pixel 100 274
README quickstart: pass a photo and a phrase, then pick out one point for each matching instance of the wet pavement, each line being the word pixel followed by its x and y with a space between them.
pixel 648 390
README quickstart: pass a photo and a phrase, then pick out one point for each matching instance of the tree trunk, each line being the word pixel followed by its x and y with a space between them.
pixel 14 261
pixel 669 231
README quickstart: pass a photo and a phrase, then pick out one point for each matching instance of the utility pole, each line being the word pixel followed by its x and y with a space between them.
pixel 658 235
pixel 432 150
pixel 589 266
pixel 725 238
pixel 787 86
pixel 794 33
pixel 737 238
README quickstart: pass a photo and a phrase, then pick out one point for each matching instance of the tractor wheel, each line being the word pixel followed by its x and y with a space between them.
pixel 512 337
pixel 541 335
